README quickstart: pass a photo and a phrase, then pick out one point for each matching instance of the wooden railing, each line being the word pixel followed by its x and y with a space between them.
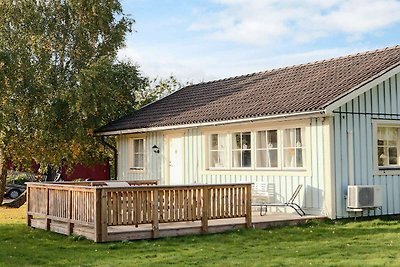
pixel 105 183
pixel 102 206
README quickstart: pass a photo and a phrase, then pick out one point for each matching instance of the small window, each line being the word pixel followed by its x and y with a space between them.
pixel 138 154
pixel 217 151
pixel 267 149
pixel 293 148
pixel 388 145
pixel 241 150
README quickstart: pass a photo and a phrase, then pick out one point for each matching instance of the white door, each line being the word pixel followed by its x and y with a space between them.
pixel 176 160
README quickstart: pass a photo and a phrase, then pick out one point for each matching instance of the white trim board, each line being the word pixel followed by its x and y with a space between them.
pixel 280 117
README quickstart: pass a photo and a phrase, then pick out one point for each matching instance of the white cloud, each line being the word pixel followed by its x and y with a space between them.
pixel 199 68
pixel 157 63
pixel 259 22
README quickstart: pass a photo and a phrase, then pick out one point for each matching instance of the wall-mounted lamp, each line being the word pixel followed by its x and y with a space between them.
pixel 156 149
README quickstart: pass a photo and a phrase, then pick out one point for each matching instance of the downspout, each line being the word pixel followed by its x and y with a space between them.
pixel 115 152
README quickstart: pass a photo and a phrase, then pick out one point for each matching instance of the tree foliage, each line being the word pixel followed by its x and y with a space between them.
pixel 60 79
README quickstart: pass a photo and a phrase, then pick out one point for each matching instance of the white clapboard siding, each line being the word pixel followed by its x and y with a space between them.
pixel 383 99
pixel 154 161
pixel 311 196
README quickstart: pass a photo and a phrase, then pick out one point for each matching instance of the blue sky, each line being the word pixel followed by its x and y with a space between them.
pixel 206 40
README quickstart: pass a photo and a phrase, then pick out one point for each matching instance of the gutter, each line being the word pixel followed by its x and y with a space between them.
pixel 115 152
pixel 307 114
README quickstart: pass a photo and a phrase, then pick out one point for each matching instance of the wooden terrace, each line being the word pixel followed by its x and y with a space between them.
pixel 112 211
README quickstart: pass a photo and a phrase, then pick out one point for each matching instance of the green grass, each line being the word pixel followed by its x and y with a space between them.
pixel 368 243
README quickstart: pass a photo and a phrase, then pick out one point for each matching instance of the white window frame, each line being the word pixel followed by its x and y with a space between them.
pixel 224 151
pixel 133 168
pixel 303 147
pixel 384 170
pixel 278 151
pixel 241 150
pixel 280 170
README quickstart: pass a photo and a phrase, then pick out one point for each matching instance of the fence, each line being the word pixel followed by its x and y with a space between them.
pixel 99 206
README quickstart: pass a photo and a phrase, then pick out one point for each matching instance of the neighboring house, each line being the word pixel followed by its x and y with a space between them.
pixel 325 125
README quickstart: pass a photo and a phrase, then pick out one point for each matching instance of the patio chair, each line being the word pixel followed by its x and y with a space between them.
pixel 290 203
pixel 262 194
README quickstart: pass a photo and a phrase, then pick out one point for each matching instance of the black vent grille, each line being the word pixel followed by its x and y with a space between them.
pixel 366 196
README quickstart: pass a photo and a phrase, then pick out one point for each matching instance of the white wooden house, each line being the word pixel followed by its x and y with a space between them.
pixel 325 125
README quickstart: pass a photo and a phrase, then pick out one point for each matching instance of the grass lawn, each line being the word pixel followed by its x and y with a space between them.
pixel 368 243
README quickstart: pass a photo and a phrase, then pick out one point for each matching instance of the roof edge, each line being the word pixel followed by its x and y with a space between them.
pixel 362 87
pixel 299 115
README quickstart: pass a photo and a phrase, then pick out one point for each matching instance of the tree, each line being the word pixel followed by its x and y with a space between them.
pixel 59 78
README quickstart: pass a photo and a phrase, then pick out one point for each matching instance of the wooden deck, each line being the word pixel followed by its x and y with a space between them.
pixel 118 233
pixel 104 212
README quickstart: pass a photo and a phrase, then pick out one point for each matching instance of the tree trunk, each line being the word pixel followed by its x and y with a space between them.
pixel 3 175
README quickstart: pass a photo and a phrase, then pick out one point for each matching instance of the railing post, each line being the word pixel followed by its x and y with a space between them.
pixel 69 226
pixel 47 209
pixel 29 203
pixel 104 215
pixel 248 206
pixel 155 222
pixel 206 208
pixel 97 215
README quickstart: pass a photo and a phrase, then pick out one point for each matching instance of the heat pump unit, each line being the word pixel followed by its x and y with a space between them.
pixel 364 196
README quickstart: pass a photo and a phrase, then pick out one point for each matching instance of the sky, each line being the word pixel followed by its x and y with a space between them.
pixel 198 41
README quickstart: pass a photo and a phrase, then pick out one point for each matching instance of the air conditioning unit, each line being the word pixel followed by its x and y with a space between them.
pixel 364 196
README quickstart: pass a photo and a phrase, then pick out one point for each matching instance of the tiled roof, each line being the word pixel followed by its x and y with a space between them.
pixel 294 89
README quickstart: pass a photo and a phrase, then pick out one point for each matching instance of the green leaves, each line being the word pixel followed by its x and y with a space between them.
pixel 59 78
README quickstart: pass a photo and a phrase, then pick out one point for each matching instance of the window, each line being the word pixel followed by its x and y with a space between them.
pixel 138 154
pixel 241 150
pixel 293 148
pixel 262 149
pixel 388 146
pixel 267 149
pixel 217 151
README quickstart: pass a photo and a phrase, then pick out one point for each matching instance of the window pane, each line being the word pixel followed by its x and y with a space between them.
pixel 246 160
pixel 214 142
pixel 221 158
pixel 391 133
pixel 261 139
pixel 273 158
pixel 299 157
pixel 261 158
pixel 381 156
pixel 393 155
pixel 273 139
pixel 246 140
pixel 236 159
pixel 289 157
pixel 214 159
pixel 222 142
pixel 299 141
pixel 136 146
pixel 138 161
pixel 289 138
pixel 381 133
pixel 236 141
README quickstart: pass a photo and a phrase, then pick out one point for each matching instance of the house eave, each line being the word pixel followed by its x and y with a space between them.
pixel 291 116
pixel 362 88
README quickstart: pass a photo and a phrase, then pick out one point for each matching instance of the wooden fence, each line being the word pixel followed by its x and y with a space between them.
pixel 100 207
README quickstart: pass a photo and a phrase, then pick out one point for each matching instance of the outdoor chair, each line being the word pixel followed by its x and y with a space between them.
pixel 290 203
pixel 262 194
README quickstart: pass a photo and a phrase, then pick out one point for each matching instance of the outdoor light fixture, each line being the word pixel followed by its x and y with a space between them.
pixel 156 149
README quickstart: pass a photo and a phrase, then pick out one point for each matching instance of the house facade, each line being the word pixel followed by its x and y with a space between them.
pixel 325 125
